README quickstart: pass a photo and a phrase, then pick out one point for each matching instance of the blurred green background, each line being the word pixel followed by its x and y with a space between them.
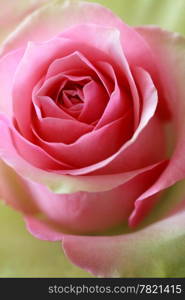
pixel 21 255
pixel 168 14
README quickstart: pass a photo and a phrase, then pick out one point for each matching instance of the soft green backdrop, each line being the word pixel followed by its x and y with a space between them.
pixel 21 255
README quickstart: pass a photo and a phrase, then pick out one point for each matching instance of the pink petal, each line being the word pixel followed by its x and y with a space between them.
pixel 119 101
pixel 95 102
pixel 50 109
pixel 50 87
pixel 116 256
pixel 31 152
pixel 92 212
pixel 8 66
pixel 66 64
pixel 142 150
pixel 42 230
pixel 33 64
pixel 149 95
pixel 57 17
pixel 111 45
pixel 169 49
pixel 125 255
pixel 94 146
pixel 15 191
pixel 78 64
pixel 56 182
pixel 61 130
pixel 13 12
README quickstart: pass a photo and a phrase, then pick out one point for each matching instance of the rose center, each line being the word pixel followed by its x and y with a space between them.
pixel 71 98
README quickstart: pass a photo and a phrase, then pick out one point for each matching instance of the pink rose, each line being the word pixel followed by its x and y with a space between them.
pixel 92 130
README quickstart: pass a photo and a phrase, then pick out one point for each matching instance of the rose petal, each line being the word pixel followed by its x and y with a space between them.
pixel 58 16
pixel 77 64
pixel 129 255
pixel 56 182
pixel 43 230
pixel 111 45
pixel 169 49
pixel 31 152
pixel 150 101
pixel 95 102
pixel 15 191
pixel 50 109
pixel 8 66
pixel 33 64
pixel 143 150
pixel 67 64
pixel 94 146
pixel 12 13
pixel 92 212
pixel 119 101
pixel 61 130
pixel 149 106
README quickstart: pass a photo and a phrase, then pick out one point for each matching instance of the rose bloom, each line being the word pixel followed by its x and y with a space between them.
pixel 92 133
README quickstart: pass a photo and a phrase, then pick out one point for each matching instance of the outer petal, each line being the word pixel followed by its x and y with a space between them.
pixel 132 254
pixel 91 212
pixel 144 253
pixel 170 52
pixel 60 15
pixel 8 65
pixel 14 190
pixel 13 12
